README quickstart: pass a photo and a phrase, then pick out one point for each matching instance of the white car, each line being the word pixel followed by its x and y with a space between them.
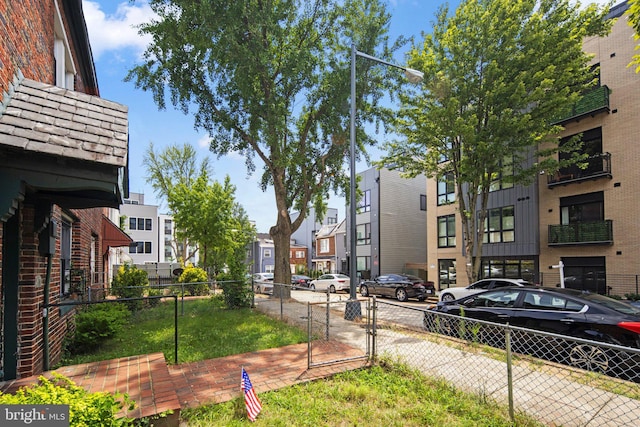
pixel 263 283
pixel 451 294
pixel 333 282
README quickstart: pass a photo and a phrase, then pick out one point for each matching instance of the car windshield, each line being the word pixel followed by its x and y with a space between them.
pixel 613 304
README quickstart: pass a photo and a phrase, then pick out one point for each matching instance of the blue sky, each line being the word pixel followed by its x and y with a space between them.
pixel 117 47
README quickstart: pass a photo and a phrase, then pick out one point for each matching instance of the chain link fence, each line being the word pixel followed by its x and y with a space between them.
pixel 339 329
pixel 559 380
pixel 331 324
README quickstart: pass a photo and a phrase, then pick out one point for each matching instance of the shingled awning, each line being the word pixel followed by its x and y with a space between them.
pixel 67 146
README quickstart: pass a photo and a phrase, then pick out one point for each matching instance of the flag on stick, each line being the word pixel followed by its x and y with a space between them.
pixel 251 400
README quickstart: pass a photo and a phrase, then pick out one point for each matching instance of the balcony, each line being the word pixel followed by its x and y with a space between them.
pixel 581 233
pixel 598 166
pixel 592 103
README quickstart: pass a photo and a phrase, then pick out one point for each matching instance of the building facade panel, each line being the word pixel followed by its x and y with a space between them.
pixel 606 204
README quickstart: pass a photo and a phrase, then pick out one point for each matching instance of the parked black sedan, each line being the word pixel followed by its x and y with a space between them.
pixel 568 312
pixel 300 281
pixel 399 286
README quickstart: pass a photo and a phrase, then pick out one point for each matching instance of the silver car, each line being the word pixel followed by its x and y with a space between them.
pixel 451 294
pixel 263 283
pixel 332 282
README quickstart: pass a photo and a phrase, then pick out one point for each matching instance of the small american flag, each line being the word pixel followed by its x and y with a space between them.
pixel 251 400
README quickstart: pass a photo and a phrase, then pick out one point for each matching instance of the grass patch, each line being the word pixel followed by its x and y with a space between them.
pixel 206 330
pixel 389 394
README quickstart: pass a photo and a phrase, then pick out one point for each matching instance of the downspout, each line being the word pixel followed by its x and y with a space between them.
pixel 45 315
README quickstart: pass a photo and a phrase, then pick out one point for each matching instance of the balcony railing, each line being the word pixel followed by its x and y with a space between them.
pixel 591 103
pixel 581 233
pixel 598 166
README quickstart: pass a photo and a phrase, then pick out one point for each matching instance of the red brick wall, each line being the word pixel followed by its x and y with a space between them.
pixel 32 277
pixel 26 44
pixel 27 34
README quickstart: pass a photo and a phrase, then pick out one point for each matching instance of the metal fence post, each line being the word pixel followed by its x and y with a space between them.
pixel 309 335
pixel 327 323
pixel 373 329
pixel 507 339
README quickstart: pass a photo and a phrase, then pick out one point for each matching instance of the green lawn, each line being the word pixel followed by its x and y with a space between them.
pixel 386 395
pixel 206 330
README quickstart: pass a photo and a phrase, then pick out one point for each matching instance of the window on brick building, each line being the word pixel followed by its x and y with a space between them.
pixel 64 66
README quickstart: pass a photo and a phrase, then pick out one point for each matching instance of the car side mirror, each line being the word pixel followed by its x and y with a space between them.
pixel 469 302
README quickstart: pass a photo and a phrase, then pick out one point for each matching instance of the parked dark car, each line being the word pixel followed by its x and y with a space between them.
pixel 399 286
pixel 300 281
pixel 568 312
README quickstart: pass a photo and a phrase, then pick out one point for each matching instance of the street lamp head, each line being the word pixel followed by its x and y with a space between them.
pixel 414 76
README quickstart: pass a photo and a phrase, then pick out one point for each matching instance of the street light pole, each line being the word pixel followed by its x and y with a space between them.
pixel 353 309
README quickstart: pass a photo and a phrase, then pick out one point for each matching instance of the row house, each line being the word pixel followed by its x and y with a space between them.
pixel 298 256
pixel 305 235
pixel 331 254
pixel 63 160
pixel 261 255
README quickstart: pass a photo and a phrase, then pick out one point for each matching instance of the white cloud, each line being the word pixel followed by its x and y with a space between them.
pixel 203 142
pixel 118 30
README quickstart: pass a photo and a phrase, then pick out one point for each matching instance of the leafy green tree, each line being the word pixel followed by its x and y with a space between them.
pixel 207 213
pixel 634 21
pixel 169 168
pixel 497 73
pixel 270 80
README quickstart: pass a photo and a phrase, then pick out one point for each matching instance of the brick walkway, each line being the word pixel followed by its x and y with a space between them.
pixel 157 387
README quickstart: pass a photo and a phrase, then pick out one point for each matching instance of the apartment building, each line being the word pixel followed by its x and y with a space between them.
pixel 141 224
pixel 582 217
pixel 588 213
pixel 153 234
pixel 391 224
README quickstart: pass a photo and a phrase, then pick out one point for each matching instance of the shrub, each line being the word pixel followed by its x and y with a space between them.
pixel 154 291
pixel 130 282
pixel 236 294
pixel 85 409
pixel 97 323
pixel 632 297
pixel 195 280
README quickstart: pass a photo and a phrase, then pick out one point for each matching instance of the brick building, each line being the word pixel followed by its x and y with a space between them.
pixel 63 159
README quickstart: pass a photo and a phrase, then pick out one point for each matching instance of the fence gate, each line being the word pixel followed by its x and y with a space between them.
pixel 333 338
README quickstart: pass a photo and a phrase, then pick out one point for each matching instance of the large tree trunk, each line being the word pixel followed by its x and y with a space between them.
pixel 281 235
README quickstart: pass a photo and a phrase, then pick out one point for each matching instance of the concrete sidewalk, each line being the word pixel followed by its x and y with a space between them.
pixel 552 397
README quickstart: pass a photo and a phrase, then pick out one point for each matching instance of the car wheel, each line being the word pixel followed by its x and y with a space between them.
pixel 401 295
pixel 332 289
pixel 447 297
pixel 589 357
pixel 364 291
pixel 312 287
pixel 258 290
